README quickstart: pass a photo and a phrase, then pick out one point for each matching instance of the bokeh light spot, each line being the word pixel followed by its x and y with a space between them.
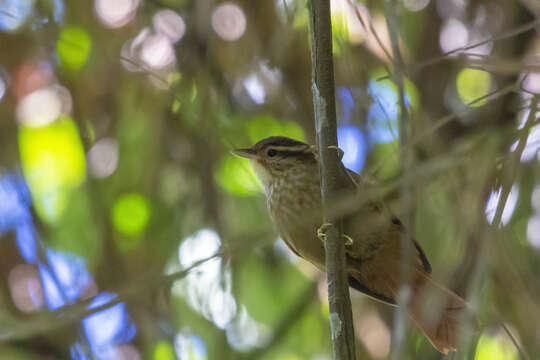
pixel 531 83
pixel 43 106
pixel 495 348
pixel 164 351
pixel 103 158
pixel 237 177
pixel 533 231
pixel 3 86
pixel 190 347
pixel 116 13
pixel 229 21
pixel 32 76
pixel 351 141
pixel 473 84
pixel 453 35
pixel 255 88
pixel 415 5
pixel 208 290
pixel 13 13
pixel 157 51
pixel 130 214
pixel 73 47
pixel 170 24
pixel 509 206
pixel 25 287
pixel 70 271
pixel 126 352
pixel 53 164
pixel 244 333
pixel 382 113
pixel 107 327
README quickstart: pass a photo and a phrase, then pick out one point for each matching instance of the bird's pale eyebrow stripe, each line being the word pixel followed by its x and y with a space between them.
pixel 295 149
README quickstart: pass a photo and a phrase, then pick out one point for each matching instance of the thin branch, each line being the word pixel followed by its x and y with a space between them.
pixel 76 312
pixel 341 323
pixel 506 187
pixel 447 55
pixel 400 324
pixel 371 29
pixel 513 165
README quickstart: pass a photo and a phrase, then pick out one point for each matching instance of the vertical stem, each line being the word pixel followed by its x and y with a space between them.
pixel 400 323
pixel 512 167
pixel 341 323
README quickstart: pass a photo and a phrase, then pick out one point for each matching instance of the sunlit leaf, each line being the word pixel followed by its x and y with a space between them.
pixel 473 84
pixel 73 47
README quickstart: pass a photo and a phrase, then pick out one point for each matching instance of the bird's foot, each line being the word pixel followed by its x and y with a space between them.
pixel 339 151
pixel 321 232
pixel 348 240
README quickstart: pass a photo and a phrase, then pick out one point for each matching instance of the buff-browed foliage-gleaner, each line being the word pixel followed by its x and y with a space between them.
pixel 289 171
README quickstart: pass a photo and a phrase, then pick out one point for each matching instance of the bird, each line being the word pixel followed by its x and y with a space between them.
pixel 289 172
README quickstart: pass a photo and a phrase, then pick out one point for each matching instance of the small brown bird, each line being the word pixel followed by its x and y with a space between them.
pixel 289 171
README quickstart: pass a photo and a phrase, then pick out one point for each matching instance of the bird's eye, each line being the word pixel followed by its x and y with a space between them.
pixel 271 152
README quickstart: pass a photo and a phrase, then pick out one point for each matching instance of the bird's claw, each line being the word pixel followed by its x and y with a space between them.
pixel 348 240
pixel 339 151
pixel 321 234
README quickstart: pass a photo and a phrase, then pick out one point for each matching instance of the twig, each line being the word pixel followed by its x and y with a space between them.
pixel 72 313
pixel 341 324
pixel 352 4
pixel 400 324
pixel 506 187
pixel 514 32
pixel 513 166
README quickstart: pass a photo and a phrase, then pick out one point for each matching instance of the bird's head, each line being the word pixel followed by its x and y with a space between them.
pixel 277 156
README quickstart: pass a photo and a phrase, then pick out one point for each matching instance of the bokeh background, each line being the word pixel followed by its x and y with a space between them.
pixel 116 122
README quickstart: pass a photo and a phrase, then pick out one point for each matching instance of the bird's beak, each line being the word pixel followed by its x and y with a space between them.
pixel 245 153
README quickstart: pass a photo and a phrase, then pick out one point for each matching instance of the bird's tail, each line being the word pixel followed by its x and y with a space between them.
pixel 436 310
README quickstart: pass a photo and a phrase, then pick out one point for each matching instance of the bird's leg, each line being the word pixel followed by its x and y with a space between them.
pixel 339 151
pixel 321 234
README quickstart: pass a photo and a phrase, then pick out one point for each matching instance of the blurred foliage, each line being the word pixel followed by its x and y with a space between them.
pixel 116 123
pixel 73 47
